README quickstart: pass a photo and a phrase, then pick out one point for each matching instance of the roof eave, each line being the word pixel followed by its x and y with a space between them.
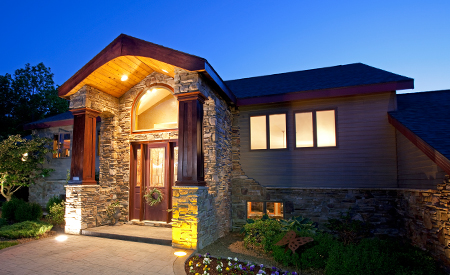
pixel 432 153
pixel 333 92
pixel 125 45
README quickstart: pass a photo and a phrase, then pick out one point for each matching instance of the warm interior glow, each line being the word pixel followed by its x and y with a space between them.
pixel 180 253
pixel 326 128
pixel 124 78
pixel 156 109
pixel 277 125
pixel 304 136
pixel 258 139
pixel 61 238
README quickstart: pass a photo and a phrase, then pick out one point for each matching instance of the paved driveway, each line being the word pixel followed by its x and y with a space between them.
pixel 89 255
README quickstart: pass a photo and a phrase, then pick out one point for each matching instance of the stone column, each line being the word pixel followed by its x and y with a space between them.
pixel 82 169
pixel 190 139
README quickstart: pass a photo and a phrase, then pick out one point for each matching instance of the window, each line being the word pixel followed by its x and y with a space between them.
pixel 315 129
pixel 276 139
pixel 155 109
pixel 256 209
pixel 61 146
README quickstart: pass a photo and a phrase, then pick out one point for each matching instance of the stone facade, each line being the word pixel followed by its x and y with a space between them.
pixel 115 140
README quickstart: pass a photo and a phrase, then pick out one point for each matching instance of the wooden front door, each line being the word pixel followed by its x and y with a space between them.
pixel 152 167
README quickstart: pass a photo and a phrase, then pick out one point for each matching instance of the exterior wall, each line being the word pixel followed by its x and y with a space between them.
pixel 53 185
pixel 214 207
pixel 365 156
pixel 415 169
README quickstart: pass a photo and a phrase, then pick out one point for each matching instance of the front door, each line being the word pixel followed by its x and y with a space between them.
pixel 152 169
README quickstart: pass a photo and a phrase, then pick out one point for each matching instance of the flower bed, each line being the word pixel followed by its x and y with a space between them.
pixel 206 264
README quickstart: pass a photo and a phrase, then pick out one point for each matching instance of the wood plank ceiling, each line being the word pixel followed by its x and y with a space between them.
pixel 107 78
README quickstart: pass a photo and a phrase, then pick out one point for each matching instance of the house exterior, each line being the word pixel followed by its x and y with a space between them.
pixel 314 143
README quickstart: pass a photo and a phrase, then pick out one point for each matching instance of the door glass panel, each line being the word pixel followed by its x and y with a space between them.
pixel 138 166
pixel 157 159
pixel 175 163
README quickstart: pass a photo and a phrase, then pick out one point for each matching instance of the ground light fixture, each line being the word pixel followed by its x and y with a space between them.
pixel 180 253
pixel 61 238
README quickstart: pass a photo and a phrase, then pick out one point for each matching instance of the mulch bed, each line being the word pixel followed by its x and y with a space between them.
pixel 199 264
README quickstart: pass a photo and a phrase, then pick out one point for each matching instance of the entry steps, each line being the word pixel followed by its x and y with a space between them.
pixel 146 233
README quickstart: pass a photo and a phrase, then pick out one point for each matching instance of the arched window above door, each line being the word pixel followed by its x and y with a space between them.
pixel 156 108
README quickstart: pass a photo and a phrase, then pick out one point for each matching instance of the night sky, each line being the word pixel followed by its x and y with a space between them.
pixel 239 38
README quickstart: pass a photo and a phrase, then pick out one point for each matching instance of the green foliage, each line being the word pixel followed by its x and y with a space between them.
pixel 7 244
pixel 349 231
pixel 56 213
pixel 374 256
pixel 311 255
pixel 19 210
pixel 21 163
pixel 261 233
pixel 299 224
pixel 28 212
pixel 111 211
pixel 25 229
pixel 29 95
pixel 3 222
pixel 9 208
pixel 51 201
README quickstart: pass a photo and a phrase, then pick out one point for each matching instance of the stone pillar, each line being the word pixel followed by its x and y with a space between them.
pixel 82 169
pixel 190 139
pixel 193 219
pixel 81 207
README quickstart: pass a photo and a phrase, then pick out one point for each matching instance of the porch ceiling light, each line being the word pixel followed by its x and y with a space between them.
pixel 164 71
pixel 124 78
pixel 61 238
pixel 180 253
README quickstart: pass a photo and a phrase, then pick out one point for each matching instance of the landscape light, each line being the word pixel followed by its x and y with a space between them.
pixel 61 238
pixel 180 253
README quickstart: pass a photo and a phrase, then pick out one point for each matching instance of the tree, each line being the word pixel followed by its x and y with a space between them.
pixel 21 163
pixel 28 96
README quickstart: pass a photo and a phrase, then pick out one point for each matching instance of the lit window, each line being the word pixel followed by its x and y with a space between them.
pixel 258 138
pixel 61 146
pixel 277 132
pixel 315 129
pixel 256 209
pixel 156 109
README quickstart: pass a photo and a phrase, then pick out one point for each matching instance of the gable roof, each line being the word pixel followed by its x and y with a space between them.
pixel 329 81
pixel 62 119
pixel 424 118
pixel 137 58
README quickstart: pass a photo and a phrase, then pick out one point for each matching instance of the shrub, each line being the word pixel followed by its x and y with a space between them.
pixel 299 224
pixel 261 233
pixel 9 208
pixel 374 256
pixel 25 229
pixel 51 201
pixel 311 255
pixel 28 212
pixel 349 231
pixel 56 214
pixel 3 222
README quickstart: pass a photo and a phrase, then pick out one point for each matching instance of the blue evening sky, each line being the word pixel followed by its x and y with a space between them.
pixel 239 38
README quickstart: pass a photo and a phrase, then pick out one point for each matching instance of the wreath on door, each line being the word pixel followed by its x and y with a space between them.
pixel 153 196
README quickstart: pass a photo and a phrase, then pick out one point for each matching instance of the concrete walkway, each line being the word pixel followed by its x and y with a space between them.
pixel 90 255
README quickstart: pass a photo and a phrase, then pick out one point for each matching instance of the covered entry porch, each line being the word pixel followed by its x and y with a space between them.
pixel 112 86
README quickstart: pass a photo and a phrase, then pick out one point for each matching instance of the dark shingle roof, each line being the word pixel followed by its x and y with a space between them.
pixel 323 78
pixel 62 116
pixel 427 115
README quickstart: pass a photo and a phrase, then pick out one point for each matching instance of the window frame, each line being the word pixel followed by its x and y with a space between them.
pixel 314 121
pixel 58 148
pixel 266 115
pixel 265 206
pixel 136 101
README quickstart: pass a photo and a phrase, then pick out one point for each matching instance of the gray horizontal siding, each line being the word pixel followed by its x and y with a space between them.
pixel 415 169
pixel 365 155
